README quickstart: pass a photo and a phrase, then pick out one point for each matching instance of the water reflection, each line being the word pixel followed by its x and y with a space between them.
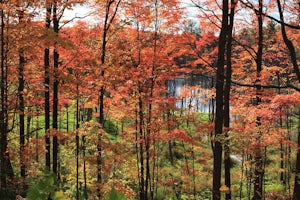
pixel 192 91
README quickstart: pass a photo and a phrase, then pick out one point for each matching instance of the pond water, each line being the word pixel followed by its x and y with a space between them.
pixel 195 88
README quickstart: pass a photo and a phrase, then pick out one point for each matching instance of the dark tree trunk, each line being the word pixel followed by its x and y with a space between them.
pixel 101 102
pixel 77 139
pixel 258 154
pixel 3 126
pixel 143 192
pixel 21 104
pixel 37 138
pixel 47 88
pixel 84 169
pixel 217 150
pixel 227 88
pixel 55 94
pixel 6 170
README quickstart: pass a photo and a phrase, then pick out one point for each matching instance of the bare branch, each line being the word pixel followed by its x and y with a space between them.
pixel 266 86
pixel 74 18
pixel 248 5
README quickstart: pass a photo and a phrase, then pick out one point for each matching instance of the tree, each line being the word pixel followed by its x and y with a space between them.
pixel 21 100
pixel 227 89
pixel 6 170
pixel 217 149
pixel 55 89
pixel 48 5
pixel 258 157
pixel 292 52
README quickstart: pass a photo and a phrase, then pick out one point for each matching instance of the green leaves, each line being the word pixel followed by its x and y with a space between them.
pixel 45 186
pixel 115 195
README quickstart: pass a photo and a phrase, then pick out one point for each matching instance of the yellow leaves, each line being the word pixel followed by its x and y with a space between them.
pixel 59 195
pixel 224 189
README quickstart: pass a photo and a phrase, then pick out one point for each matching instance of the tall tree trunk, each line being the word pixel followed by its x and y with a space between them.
pixel 217 150
pixel 21 103
pixel 3 126
pixel 6 170
pixel 149 136
pixel 140 137
pixel 258 154
pixel 227 88
pixel 77 138
pixel 37 137
pixel 55 93
pixel 282 166
pixel 108 20
pixel 85 194
pixel 47 88
pixel 143 191
pixel 101 99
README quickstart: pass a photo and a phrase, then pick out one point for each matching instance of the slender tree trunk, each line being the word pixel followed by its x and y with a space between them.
pixel 84 169
pixel 37 139
pixel 143 191
pixel 137 147
pixel 28 126
pixel 170 143
pixel 21 114
pixel 77 139
pixel 150 136
pixel 21 103
pixel 55 93
pixel 258 155
pixel 288 151
pixel 47 88
pixel 140 138
pixel 227 89
pixel 3 126
pixel 6 170
pixel 217 150
pixel 282 166
pixel 101 104
pixel 108 20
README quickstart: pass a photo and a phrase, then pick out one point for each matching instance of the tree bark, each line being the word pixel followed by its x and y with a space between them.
pixel 47 88
pixel 143 191
pixel 55 93
pixel 6 170
pixel 227 89
pixel 217 150
pixel 258 155
pixel 77 138
pixel 21 103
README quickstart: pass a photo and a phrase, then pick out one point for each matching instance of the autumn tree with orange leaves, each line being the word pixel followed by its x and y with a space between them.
pixel 140 101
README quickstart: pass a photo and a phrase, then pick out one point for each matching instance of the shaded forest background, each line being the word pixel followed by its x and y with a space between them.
pixel 138 101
